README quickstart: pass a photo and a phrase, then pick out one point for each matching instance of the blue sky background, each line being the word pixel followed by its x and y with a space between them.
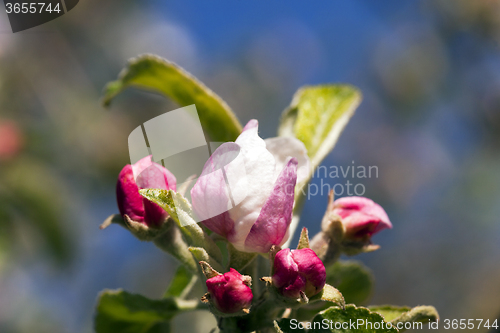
pixel 429 72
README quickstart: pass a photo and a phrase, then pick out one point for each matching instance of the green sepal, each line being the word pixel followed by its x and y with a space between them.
pixel 154 73
pixel 279 300
pixel 138 229
pixel 331 224
pixel 303 240
pixel 217 313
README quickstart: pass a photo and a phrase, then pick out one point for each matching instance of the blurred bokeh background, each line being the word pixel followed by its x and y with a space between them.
pixel 429 71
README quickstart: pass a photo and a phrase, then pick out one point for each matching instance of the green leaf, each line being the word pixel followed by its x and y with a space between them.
pixel 120 311
pixel 368 321
pixel 352 279
pixel 181 284
pixel 317 116
pixel 327 295
pixel 23 192
pixel 174 204
pixel 330 294
pixel 389 312
pixel 286 325
pixel 154 73
pixel 422 313
pixel 399 316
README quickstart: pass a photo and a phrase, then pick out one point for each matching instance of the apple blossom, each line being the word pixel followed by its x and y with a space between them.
pixel 245 192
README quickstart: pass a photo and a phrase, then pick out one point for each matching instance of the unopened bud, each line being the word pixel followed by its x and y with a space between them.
pixel 229 292
pixel 361 217
pixel 298 273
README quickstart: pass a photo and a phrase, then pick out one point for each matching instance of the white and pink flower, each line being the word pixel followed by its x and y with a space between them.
pixel 246 190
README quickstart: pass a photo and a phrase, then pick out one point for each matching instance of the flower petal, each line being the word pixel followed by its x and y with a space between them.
pixel 250 138
pixel 210 195
pixel 285 270
pixel 258 183
pixel 284 147
pixel 276 214
pixel 312 268
pixel 141 165
pixel 154 215
pixel 251 124
pixel 149 174
pixel 359 213
pixel 127 195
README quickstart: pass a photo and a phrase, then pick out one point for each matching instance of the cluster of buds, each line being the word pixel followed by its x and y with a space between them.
pixel 259 223
pixel 298 276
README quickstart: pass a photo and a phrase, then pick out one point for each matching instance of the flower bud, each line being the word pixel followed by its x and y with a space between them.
pixel 143 174
pixel 298 271
pixel 230 292
pixel 361 217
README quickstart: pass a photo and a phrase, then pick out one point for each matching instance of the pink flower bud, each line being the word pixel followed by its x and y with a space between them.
pixel 250 199
pixel 298 270
pixel 361 217
pixel 143 174
pixel 230 292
